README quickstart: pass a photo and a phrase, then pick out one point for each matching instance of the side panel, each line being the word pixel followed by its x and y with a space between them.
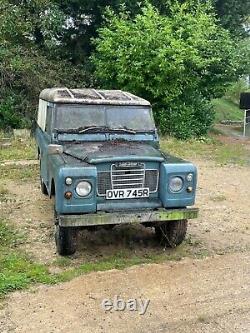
pixel 77 204
pixel 182 198
pixel 43 140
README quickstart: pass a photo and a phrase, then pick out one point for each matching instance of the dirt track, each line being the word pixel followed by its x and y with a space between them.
pixel 206 295
pixel 209 295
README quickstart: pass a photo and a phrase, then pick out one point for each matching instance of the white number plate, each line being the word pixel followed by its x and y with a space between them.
pixel 128 193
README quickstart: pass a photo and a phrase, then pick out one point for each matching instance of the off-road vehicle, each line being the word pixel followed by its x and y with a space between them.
pixel 100 158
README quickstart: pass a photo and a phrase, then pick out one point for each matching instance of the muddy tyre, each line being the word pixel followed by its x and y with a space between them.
pixel 43 187
pixel 66 240
pixel 171 233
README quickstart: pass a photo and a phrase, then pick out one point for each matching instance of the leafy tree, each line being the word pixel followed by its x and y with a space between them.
pixel 84 18
pixel 29 58
pixel 179 62
pixel 233 15
pixel 48 42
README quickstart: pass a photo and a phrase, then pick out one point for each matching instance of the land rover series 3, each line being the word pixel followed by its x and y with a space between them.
pixel 100 159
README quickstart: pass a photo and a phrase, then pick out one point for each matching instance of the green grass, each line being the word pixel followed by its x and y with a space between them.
pixel 225 109
pixel 125 259
pixel 10 237
pixel 208 149
pixel 19 271
pixel 18 172
pixel 24 149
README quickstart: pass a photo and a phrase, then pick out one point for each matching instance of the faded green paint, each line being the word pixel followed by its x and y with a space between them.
pixel 160 215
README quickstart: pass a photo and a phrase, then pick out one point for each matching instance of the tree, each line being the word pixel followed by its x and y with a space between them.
pixel 29 58
pixel 179 62
pixel 84 18
pixel 233 15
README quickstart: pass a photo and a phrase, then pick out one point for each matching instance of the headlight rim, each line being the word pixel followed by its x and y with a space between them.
pixel 182 184
pixel 83 181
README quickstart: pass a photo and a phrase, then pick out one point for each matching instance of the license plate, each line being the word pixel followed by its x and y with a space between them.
pixel 128 193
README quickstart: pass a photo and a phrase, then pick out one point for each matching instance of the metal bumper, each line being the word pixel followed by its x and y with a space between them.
pixel 146 216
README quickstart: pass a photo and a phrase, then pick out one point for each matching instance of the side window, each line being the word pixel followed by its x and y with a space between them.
pixel 48 120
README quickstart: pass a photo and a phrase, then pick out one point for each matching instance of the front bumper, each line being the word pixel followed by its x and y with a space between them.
pixel 146 216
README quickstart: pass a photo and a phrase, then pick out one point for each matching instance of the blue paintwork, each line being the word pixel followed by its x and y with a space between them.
pixel 55 168
pixel 76 204
pixel 107 137
pixel 81 137
pixel 182 198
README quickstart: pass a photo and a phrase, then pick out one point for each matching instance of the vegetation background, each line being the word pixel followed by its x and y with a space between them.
pixel 179 54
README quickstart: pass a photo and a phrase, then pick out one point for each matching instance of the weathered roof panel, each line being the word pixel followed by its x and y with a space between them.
pixel 91 96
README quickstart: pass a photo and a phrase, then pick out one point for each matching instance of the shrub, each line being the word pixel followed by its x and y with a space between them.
pixel 9 115
pixel 179 62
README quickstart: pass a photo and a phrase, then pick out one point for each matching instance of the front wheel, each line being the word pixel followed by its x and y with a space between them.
pixel 66 240
pixel 172 233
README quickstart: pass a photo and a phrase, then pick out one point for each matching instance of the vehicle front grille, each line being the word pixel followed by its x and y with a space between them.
pixel 122 177
pixel 151 180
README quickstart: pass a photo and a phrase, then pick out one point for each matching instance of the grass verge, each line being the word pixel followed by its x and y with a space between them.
pixel 20 149
pixel 209 148
pixel 19 271
pixel 225 109
pixel 19 172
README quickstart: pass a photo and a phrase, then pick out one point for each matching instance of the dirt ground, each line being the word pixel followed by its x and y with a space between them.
pixel 211 294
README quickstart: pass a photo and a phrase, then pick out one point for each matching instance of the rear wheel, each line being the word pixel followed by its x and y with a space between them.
pixel 66 240
pixel 171 233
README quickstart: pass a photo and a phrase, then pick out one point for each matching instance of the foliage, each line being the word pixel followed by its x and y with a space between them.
pixel 9 115
pixel 233 15
pixel 234 91
pixel 83 18
pixel 225 109
pixel 178 62
pixel 28 59
pixel 46 43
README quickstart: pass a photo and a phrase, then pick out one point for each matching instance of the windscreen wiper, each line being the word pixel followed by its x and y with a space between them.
pixel 107 129
pixel 81 130
pixel 123 129
pixel 92 128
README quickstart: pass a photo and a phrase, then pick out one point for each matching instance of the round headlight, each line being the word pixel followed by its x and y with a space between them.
pixel 189 177
pixel 83 188
pixel 68 181
pixel 176 184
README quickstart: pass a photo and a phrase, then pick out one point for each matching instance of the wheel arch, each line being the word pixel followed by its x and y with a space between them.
pixel 52 188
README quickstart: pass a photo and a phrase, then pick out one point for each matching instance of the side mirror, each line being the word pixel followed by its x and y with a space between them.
pixel 55 149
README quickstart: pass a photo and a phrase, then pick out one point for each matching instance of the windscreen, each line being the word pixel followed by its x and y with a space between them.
pixel 136 118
